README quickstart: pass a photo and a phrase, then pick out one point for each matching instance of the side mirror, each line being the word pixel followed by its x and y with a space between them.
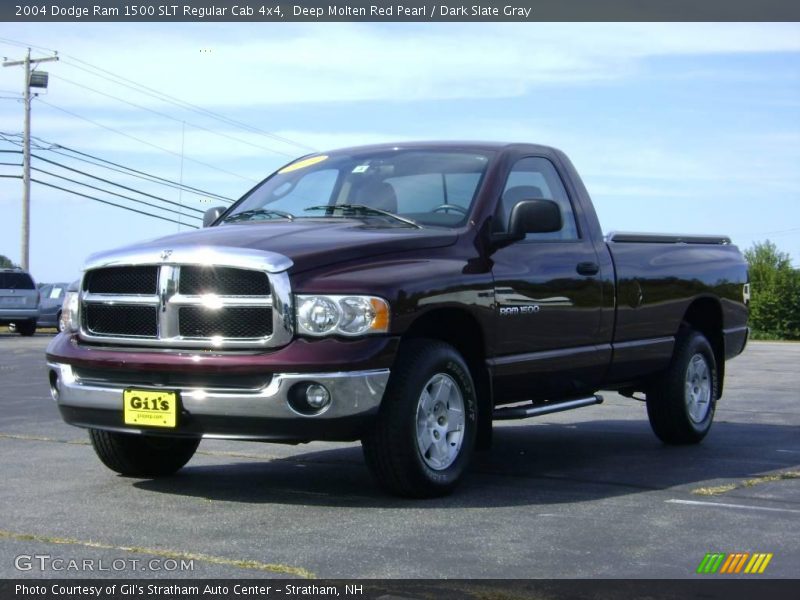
pixel 534 216
pixel 212 214
pixel 530 216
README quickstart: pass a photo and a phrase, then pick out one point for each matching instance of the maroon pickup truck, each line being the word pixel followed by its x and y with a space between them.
pixel 403 295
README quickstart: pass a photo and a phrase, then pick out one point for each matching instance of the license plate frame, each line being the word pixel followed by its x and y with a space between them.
pixel 150 408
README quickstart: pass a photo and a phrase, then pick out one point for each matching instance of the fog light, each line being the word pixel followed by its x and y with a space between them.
pixel 317 396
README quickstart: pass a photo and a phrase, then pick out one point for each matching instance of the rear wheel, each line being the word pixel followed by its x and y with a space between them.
pixel 141 455
pixel 682 403
pixel 26 328
pixel 425 432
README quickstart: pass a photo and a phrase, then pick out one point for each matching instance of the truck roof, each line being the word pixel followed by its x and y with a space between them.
pixel 444 145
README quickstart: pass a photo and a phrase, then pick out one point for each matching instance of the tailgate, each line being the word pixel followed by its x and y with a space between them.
pixel 18 299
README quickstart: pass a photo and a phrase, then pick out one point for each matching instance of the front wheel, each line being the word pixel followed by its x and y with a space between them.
pixel 682 403
pixel 140 455
pixel 425 431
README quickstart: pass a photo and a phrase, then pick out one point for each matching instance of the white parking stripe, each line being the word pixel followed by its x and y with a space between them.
pixel 724 505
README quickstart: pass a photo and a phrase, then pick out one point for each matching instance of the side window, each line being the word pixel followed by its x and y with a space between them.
pixel 533 178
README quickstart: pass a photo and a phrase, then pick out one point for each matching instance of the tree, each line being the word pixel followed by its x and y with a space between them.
pixel 6 263
pixel 775 292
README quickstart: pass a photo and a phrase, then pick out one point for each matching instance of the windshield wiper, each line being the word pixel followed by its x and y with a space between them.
pixel 246 215
pixel 364 209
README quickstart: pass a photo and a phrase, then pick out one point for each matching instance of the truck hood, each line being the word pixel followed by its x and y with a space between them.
pixel 308 243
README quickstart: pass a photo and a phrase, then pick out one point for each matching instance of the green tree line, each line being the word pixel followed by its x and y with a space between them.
pixel 774 293
pixel 6 263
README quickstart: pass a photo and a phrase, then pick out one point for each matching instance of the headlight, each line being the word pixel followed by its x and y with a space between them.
pixel 341 315
pixel 69 312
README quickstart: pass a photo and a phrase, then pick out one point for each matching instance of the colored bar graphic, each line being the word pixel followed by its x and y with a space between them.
pixel 729 563
pixel 767 558
pixel 722 563
pixel 741 562
pixel 711 562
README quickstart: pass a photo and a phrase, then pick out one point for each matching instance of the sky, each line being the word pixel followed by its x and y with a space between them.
pixel 675 127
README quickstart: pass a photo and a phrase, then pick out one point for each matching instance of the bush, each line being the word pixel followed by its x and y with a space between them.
pixel 774 293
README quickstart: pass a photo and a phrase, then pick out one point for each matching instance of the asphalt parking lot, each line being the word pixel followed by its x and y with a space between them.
pixel 586 493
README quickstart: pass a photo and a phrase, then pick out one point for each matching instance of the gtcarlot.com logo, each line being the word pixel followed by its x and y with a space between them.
pixel 736 562
pixel 46 562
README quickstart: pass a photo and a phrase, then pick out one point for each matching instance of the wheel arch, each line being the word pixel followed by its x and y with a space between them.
pixel 462 330
pixel 705 315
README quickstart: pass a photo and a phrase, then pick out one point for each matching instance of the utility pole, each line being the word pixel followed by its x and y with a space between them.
pixel 26 151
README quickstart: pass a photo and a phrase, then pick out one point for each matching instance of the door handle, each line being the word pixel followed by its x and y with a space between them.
pixel 588 268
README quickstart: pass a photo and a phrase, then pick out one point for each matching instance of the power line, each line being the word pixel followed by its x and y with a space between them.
pixel 110 165
pixel 99 189
pixel 148 91
pixel 141 141
pixel 130 189
pixel 170 117
pixel 142 175
pixel 118 79
pixel 141 212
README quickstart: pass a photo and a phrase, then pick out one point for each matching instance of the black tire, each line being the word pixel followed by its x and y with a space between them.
pixel 26 328
pixel 59 324
pixel 667 406
pixel 140 455
pixel 391 448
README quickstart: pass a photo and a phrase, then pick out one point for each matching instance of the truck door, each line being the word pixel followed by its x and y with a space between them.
pixel 549 297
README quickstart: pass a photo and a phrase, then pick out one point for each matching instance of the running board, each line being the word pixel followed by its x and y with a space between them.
pixel 535 410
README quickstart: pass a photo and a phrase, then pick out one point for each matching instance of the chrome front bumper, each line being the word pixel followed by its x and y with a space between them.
pixel 353 394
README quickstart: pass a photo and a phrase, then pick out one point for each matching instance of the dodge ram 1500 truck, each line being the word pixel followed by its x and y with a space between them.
pixel 403 295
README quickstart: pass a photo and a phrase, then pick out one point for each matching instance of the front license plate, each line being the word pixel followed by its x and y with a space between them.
pixel 153 408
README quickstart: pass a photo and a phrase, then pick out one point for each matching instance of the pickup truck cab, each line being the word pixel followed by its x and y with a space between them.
pixel 403 295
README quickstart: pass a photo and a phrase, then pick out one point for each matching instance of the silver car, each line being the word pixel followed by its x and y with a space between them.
pixel 52 297
pixel 19 300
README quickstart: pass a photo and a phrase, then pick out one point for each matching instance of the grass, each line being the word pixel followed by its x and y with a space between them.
pixel 747 483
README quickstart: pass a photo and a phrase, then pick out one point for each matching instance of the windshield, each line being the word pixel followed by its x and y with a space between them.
pixel 395 188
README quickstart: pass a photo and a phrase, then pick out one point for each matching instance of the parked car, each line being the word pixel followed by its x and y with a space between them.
pixel 52 297
pixel 19 301
pixel 406 295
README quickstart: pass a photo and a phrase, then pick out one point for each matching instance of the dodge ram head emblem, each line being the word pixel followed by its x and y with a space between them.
pixel 165 254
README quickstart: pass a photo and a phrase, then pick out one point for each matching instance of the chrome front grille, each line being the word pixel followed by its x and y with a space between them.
pixel 224 281
pixel 186 306
pixel 121 319
pixel 128 280
pixel 230 322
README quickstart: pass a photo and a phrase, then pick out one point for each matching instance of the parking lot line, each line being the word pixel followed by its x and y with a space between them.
pixel 724 505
